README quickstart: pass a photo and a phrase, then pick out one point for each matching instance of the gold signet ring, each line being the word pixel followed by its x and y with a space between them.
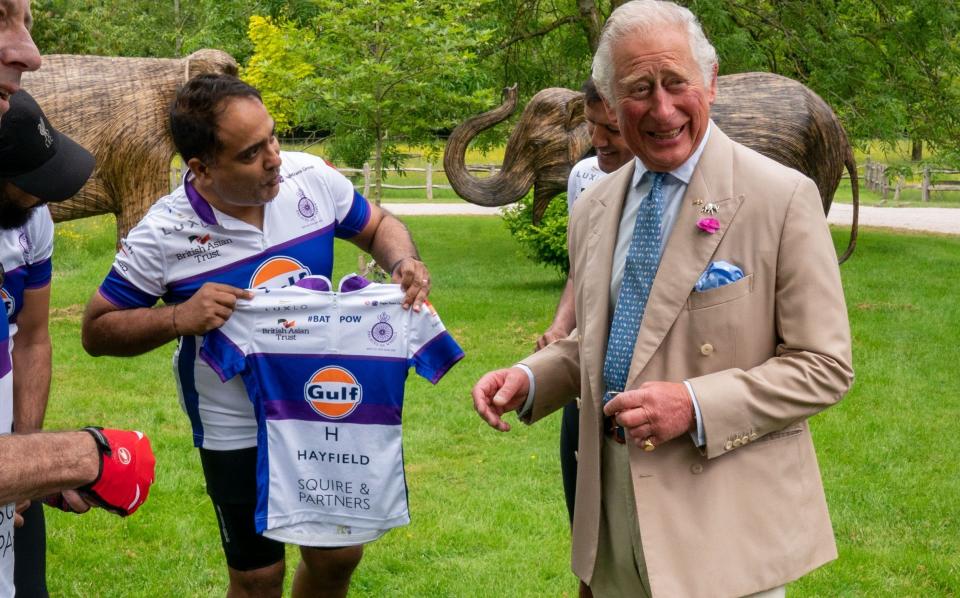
pixel 648 445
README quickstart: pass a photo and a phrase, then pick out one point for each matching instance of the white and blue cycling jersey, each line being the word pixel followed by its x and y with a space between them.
pixel 326 374
pixel 26 256
pixel 184 242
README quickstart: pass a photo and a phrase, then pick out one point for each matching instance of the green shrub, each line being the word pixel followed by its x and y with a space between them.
pixel 544 243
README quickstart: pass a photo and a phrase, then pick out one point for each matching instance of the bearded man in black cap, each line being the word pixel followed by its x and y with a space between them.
pixel 39 165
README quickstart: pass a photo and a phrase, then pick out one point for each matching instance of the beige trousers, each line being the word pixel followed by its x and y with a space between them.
pixel 621 571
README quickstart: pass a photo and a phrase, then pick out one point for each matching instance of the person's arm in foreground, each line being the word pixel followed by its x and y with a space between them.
pixel 389 242
pixel 31 361
pixel 112 469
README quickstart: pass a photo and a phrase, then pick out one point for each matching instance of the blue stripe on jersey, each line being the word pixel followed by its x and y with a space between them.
pixel 39 274
pixel 122 294
pixel 437 356
pixel 188 387
pixel 381 381
pixel 263 472
pixel 221 354
pixel 314 250
pixel 357 218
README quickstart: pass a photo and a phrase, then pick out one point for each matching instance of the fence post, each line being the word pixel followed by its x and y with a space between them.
pixel 925 190
pixel 366 179
pixel 897 189
pixel 883 181
pixel 429 181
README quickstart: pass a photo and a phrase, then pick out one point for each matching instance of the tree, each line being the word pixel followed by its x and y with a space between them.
pixel 381 74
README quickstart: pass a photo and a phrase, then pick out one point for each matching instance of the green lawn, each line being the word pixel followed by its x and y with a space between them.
pixel 487 508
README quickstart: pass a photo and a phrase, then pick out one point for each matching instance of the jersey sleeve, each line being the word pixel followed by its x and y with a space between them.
pixel 225 349
pixel 39 233
pixel 352 209
pixel 432 351
pixel 138 276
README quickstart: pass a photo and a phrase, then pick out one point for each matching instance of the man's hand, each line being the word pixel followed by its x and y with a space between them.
pixel 18 513
pixel 657 411
pixel 69 501
pixel 208 309
pixel 414 278
pixel 500 391
pixel 551 336
pixel 126 471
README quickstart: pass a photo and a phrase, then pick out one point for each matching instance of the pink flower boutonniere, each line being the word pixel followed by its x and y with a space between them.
pixel 708 225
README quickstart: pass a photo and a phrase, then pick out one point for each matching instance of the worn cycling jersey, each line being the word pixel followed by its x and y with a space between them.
pixel 25 253
pixel 6 423
pixel 326 372
pixel 184 242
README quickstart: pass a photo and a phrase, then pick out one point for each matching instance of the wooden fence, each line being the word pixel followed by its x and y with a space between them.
pixel 876 179
pixel 176 175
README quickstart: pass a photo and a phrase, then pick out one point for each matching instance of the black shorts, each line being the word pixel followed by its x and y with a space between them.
pixel 232 485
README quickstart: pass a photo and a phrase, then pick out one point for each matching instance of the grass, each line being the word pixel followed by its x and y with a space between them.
pixel 487 508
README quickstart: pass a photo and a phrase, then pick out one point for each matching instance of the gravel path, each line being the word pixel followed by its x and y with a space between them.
pixel 938 220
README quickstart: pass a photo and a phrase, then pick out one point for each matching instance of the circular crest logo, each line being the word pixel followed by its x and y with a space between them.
pixel 382 331
pixel 306 207
pixel 123 455
pixel 333 392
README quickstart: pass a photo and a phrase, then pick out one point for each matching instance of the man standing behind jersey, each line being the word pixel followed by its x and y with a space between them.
pixel 246 216
pixel 612 153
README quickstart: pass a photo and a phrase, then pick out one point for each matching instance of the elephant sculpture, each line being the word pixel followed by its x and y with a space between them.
pixel 117 108
pixel 776 116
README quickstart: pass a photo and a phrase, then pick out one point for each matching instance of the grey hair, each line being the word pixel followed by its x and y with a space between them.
pixel 640 17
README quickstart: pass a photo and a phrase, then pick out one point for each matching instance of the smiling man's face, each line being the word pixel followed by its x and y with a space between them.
pixel 18 53
pixel 661 102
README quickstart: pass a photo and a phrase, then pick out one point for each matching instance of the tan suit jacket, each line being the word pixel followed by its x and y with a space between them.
pixel 763 354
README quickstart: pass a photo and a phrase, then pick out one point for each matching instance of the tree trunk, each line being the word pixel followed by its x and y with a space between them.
pixel 590 21
pixel 378 167
pixel 916 150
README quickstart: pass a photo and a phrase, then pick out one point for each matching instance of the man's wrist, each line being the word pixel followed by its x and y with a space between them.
pixel 393 267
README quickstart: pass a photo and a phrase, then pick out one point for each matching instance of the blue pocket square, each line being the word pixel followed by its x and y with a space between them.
pixel 718 274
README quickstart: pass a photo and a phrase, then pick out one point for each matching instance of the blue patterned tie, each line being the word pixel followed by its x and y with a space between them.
pixel 643 259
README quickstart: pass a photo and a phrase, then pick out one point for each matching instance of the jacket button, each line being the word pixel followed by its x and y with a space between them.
pixel 706 349
pixel 696 468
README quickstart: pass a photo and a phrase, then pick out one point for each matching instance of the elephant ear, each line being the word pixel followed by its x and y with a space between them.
pixel 576 126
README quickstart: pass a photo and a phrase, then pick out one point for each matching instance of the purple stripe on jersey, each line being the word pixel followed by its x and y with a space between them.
pixel 384 415
pixel 319 356
pixel 39 274
pixel 314 283
pixel 275 249
pixel 354 283
pixel 5 364
pixel 199 204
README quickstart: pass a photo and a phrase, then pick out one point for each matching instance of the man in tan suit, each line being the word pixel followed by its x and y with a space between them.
pixel 716 491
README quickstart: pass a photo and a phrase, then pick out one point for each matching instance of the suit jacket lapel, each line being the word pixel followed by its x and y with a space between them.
pixel 688 250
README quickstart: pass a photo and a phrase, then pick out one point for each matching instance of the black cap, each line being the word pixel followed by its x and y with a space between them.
pixel 35 157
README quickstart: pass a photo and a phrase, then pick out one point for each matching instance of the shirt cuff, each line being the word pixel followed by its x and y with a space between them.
pixel 528 404
pixel 699 437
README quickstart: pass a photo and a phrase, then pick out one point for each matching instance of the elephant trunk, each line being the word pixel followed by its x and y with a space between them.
pixel 510 184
